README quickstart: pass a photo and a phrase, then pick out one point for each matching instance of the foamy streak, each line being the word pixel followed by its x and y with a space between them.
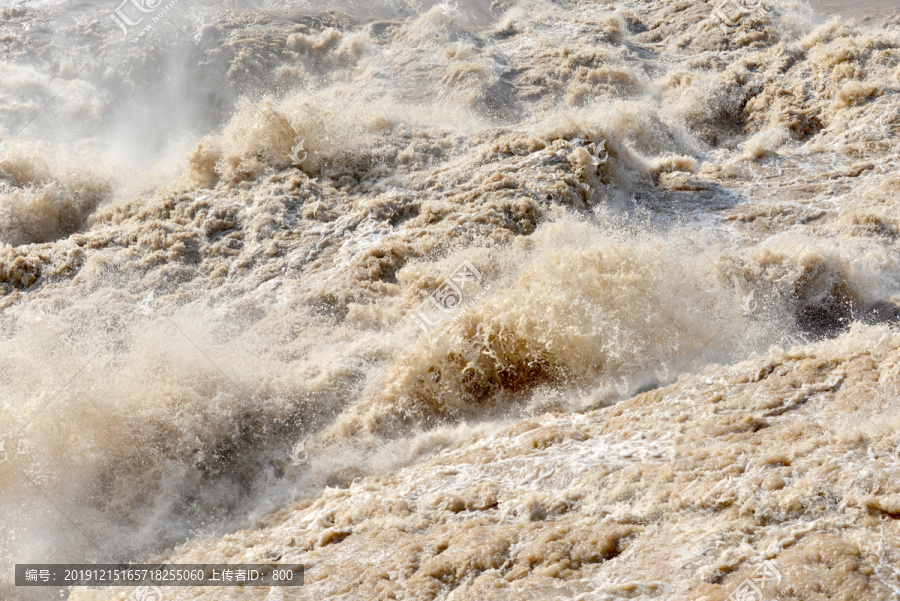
pixel 283 297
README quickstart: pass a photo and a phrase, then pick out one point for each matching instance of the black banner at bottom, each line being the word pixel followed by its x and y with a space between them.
pixel 156 575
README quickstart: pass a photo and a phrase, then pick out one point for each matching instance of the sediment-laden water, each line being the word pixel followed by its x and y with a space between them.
pixel 510 300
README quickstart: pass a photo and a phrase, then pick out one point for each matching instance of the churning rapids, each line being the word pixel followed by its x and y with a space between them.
pixel 565 299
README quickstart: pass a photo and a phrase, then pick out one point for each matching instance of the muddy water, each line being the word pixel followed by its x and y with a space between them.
pixel 864 10
pixel 488 301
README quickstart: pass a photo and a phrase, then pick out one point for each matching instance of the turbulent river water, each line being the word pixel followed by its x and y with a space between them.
pixel 464 300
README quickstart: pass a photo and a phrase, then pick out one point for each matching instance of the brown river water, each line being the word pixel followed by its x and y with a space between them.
pixel 860 10
pixel 465 300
